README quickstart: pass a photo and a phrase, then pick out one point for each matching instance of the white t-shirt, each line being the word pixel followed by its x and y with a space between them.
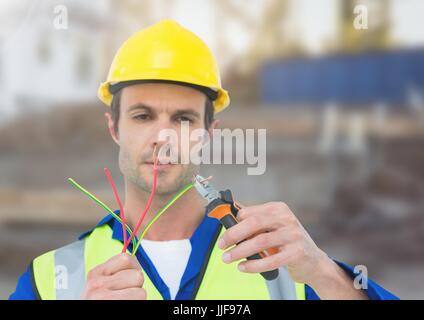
pixel 170 259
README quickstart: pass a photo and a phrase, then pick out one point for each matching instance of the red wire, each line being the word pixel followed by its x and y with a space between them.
pixel 121 208
pixel 149 202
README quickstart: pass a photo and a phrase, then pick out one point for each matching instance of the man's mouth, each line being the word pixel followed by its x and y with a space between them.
pixel 161 166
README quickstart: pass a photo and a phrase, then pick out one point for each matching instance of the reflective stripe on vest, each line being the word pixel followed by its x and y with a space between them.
pixel 61 274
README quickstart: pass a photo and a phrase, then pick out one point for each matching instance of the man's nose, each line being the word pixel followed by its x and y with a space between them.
pixel 159 131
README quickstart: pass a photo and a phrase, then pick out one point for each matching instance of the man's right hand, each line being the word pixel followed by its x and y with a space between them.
pixel 119 278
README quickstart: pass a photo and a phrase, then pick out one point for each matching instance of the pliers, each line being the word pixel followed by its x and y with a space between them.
pixel 221 206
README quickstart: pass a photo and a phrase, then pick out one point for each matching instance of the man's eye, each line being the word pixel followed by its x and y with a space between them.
pixel 142 117
pixel 183 118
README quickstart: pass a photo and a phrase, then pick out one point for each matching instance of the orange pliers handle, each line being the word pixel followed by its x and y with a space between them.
pixel 225 210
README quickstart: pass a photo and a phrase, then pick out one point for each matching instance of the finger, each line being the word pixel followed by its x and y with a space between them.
pixel 95 272
pixel 120 262
pixel 130 294
pixel 261 242
pixel 245 229
pixel 252 246
pixel 272 262
pixel 247 211
pixel 110 266
pixel 130 278
pixel 271 208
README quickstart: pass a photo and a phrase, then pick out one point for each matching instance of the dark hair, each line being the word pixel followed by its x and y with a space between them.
pixel 115 108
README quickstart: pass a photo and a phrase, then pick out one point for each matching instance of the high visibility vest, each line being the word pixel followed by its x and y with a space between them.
pixel 61 274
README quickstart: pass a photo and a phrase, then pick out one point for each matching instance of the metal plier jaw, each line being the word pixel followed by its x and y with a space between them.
pixel 221 206
pixel 213 197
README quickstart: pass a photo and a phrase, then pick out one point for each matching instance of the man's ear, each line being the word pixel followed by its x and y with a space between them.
pixel 111 127
pixel 214 124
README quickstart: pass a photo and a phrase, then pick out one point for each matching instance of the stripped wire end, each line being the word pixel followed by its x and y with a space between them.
pixel 203 181
pixel 156 159
pixel 149 201
pixel 206 179
pixel 118 200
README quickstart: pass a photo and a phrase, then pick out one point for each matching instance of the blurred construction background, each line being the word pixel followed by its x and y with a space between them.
pixel 344 110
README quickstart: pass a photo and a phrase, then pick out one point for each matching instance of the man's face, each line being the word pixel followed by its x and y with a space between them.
pixel 146 109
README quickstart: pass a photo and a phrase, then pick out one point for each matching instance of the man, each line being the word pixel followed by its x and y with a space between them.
pixel 161 77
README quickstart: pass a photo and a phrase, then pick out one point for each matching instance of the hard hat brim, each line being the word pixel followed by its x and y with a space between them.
pixel 210 93
pixel 221 101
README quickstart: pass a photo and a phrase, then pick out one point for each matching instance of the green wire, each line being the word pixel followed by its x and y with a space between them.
pixel 147 227
pixel 161 211
pixel 102 205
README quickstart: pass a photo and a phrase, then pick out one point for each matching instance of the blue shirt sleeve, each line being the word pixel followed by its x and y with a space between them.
pixel 374 291
pixel 24 289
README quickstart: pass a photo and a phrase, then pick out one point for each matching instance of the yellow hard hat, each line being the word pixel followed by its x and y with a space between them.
pixel 166 52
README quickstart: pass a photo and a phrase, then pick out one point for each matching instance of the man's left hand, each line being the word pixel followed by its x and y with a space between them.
pixel 271 225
